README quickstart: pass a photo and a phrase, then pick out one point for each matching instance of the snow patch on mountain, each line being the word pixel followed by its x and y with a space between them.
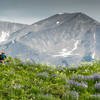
pixel 13 41
pixel 93 55
pixel 64 49
pixel 95 37
pixel 75 45
pixel 57 22
pixel 60 13
pixel 4 36
pixel 65 53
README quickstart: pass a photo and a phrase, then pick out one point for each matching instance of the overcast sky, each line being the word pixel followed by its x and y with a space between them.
pixel 30 11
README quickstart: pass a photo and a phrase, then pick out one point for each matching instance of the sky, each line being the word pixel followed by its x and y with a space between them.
pixel 31 11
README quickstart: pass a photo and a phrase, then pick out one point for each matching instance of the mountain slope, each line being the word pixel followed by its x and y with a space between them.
pixel 7 28
pixel 60 39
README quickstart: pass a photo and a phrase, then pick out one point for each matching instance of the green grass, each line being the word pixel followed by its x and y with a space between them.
pixel 42 82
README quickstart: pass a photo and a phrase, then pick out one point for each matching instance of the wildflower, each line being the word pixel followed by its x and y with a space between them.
pixel 74 83
pixel 96 96
pixel 44 74
pixel 53 75
pixel 91 77
pixel 73 94
pixel 17 86
pixel 97 86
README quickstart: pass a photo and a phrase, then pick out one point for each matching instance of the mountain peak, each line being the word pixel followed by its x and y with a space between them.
pixel 76 15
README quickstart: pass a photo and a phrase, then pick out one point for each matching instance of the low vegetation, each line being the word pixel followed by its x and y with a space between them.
pixel 19 81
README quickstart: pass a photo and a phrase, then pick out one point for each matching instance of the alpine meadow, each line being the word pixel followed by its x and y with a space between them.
pixel 49 50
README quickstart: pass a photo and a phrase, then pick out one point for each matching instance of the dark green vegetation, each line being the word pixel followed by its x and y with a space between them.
pixel 42 82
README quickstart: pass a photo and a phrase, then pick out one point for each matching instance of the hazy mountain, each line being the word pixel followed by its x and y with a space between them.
pixel 7 28
pixel 62 39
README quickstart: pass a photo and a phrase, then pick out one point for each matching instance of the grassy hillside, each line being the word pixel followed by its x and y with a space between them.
pixel 42 82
